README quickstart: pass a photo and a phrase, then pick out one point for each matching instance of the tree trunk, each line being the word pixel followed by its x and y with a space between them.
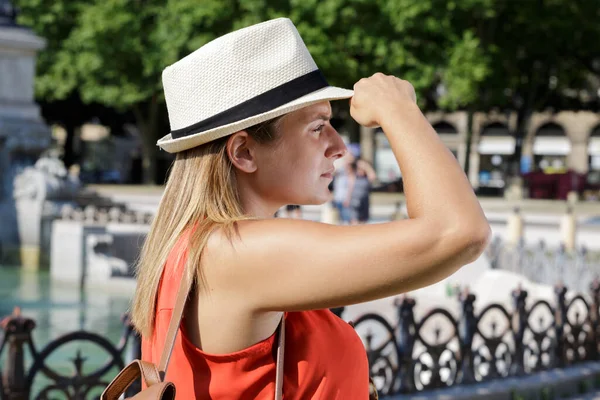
pixel 523 115
pixel 146 117
pixel 69 157
pixel 470 113
pixel 148 158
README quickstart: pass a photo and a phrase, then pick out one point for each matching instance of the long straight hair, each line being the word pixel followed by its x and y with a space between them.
pixel 201 192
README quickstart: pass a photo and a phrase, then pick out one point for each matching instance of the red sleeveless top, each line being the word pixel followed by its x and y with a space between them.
pixel 324 357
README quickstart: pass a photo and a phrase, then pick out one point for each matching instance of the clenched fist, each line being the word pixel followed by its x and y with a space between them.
pixel 379 95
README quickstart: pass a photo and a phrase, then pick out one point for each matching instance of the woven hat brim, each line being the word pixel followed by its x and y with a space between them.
pixel 171 145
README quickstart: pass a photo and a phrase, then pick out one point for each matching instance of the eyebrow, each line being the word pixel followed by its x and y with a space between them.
pixel 324 117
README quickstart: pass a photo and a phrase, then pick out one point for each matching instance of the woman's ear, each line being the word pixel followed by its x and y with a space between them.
pixel 239 151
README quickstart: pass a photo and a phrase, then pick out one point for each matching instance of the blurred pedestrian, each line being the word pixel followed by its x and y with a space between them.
pixel 363 176
pixel 343 178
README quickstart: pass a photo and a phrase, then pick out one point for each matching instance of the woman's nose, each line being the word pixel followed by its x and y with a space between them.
pixel 337 148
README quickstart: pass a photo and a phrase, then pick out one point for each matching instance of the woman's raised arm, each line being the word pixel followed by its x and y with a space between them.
pixel 285 265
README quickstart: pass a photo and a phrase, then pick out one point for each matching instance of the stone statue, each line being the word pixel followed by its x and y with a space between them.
pixel 47 179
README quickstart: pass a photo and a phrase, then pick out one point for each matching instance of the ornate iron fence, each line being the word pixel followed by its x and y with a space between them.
pixel 439 350
pixel 20 382
pixel 416 354
pixel 546 265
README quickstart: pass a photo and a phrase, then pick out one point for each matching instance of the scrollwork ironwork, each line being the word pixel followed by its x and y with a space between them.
pixel 384 356
pixel 436 350
pixel 441 350
pixel 54 382
pixel 436 358
pixel 540 346
pixel 494 352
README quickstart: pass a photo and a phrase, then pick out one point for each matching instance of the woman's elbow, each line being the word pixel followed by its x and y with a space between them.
pixel 470 240
pixel 476 239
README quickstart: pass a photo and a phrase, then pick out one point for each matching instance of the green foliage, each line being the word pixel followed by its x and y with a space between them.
pixel 470 54
pixel 113 51
pixel 584 386
pixel 540 52
pixel 53 20
pixel 468 67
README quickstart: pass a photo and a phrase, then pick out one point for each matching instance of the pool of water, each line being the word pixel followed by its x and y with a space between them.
pixel 59 309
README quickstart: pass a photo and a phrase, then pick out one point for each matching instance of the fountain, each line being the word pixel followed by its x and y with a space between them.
pixel 23 137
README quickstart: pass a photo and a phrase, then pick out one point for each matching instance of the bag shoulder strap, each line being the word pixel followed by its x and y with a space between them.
pixel 182 295
pixel 183 292
pixel 137 368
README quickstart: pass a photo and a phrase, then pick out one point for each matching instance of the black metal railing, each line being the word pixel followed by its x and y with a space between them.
pixel 29 373
pixel 544 264
pixel 436 350
pixel 439 350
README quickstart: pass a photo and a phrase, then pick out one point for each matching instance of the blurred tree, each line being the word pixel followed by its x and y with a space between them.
pixel 453 65
pixel 538 48
pixel 112 52
pixel 468 54
pixel 56 83
pixel 417 40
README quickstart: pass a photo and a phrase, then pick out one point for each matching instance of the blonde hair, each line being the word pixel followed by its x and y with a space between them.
pixel 201 192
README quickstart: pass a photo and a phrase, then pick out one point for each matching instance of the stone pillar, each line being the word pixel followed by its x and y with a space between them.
pixel 474 158
pixel 568 230
pixel 367 144
pixel 23 137
pixel 578 127
pixel 18 48
pixel 461 150
pixel 514 189
pixel 514 227
pixel 527 150
pixel 577 160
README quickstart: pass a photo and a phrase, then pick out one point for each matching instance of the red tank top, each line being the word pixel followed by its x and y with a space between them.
pixel 324 357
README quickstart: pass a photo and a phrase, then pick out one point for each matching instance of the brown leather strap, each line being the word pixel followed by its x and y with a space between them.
pixel 182 294
pixel 280 354
pixel 130 373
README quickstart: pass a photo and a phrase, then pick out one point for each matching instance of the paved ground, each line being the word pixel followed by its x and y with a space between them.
pixel 557 383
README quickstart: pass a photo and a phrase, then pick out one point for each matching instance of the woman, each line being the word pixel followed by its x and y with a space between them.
pixel 250 115
pixel 364 176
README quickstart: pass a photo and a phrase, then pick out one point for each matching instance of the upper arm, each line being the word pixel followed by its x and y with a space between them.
pixel 287 265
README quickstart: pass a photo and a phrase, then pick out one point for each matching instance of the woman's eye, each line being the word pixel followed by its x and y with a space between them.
pixel 319 129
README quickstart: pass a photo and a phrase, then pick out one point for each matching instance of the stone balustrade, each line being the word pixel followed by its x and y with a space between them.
pixel 103 215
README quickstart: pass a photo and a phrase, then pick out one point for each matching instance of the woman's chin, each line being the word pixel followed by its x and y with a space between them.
pixel 315 199
pixel 321 199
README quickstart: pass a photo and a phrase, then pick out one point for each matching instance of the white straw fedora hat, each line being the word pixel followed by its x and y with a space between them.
pixel 238 80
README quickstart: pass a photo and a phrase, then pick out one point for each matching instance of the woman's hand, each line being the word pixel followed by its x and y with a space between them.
pixel 378 96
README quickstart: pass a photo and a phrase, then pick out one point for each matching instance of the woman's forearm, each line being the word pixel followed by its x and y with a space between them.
pixel 435 185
